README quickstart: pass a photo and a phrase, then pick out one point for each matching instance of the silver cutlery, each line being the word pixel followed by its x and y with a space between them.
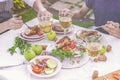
pixel 11 66
pixel 27 25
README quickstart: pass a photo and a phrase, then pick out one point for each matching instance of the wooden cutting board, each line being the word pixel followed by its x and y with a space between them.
pixel 109 76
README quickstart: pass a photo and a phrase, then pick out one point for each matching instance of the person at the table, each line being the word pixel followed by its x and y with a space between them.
pixel 106 13
pixel 7 22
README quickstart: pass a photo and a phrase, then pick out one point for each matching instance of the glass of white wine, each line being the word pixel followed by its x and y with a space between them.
pixel 93 49
pixel 46 24
pixel 65 19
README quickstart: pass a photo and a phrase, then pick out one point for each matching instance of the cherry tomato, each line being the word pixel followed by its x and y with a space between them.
pixel 67 47
pixel 63 48
pixel 72 45
pixel 40 33
pixel 36 69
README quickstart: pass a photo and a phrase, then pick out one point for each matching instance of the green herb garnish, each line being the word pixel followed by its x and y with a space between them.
pixel 62 54
pixel 21 44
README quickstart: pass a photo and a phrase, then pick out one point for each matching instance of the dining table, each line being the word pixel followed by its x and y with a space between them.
pixel 83 72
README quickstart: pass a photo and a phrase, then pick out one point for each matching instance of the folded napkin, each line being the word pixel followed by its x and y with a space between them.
pixel 3 78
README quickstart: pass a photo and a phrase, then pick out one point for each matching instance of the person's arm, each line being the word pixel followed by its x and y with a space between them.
pixel 38 6
pixel 80 14
pixel 112 28
pixel 13 23
pixel 3 27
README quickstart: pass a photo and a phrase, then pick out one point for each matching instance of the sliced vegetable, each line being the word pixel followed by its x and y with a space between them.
pixel 72 45
pixel 40 33
pixel 36 69
pixel 49 70
pixel 51 63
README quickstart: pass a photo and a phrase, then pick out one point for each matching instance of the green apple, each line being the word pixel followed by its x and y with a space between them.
pixel 51 35
pixel 37 49
pixel 29 54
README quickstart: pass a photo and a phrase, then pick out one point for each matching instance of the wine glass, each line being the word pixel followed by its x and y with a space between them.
pixel 45 24
pixel 65 19
pixel 93 49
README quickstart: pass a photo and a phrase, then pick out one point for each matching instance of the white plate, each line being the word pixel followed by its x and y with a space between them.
pixel 79 32
pixel 58 68
pixel 73 63
pixel 57 24
pixel 31 37
pixel 32 40
pixel 67 32
pixel 68 63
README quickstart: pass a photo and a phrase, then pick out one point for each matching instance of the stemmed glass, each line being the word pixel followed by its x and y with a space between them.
pixel 45 24
pixel 94 50
pixel 65 19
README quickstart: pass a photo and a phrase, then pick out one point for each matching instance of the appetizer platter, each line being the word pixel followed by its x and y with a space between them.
pixel 71 54
pixel 88 35
pixel 44 66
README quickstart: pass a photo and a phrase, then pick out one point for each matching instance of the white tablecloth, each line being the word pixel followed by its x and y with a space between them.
pixel 82 73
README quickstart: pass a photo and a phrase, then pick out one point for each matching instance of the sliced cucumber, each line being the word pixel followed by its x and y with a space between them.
pixel 51 63
pixel 49 70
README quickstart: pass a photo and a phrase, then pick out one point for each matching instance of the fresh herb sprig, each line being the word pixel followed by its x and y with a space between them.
pixel 83 50
pixel 21 44
pixel 62 54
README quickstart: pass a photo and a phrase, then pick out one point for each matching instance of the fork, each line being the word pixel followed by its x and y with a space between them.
pixel 11 66
pixel 27 26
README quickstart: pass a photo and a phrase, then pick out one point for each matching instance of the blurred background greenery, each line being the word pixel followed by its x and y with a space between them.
pixel 22 9
pixel 19 4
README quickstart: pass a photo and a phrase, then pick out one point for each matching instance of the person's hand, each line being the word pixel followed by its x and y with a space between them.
pixel 43 1
pixel 65 12
pixel 15 23
pixel 76 15
pixel 112 28
pixel 42 13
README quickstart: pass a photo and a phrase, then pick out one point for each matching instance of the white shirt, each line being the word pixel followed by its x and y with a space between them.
pixel 30 2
